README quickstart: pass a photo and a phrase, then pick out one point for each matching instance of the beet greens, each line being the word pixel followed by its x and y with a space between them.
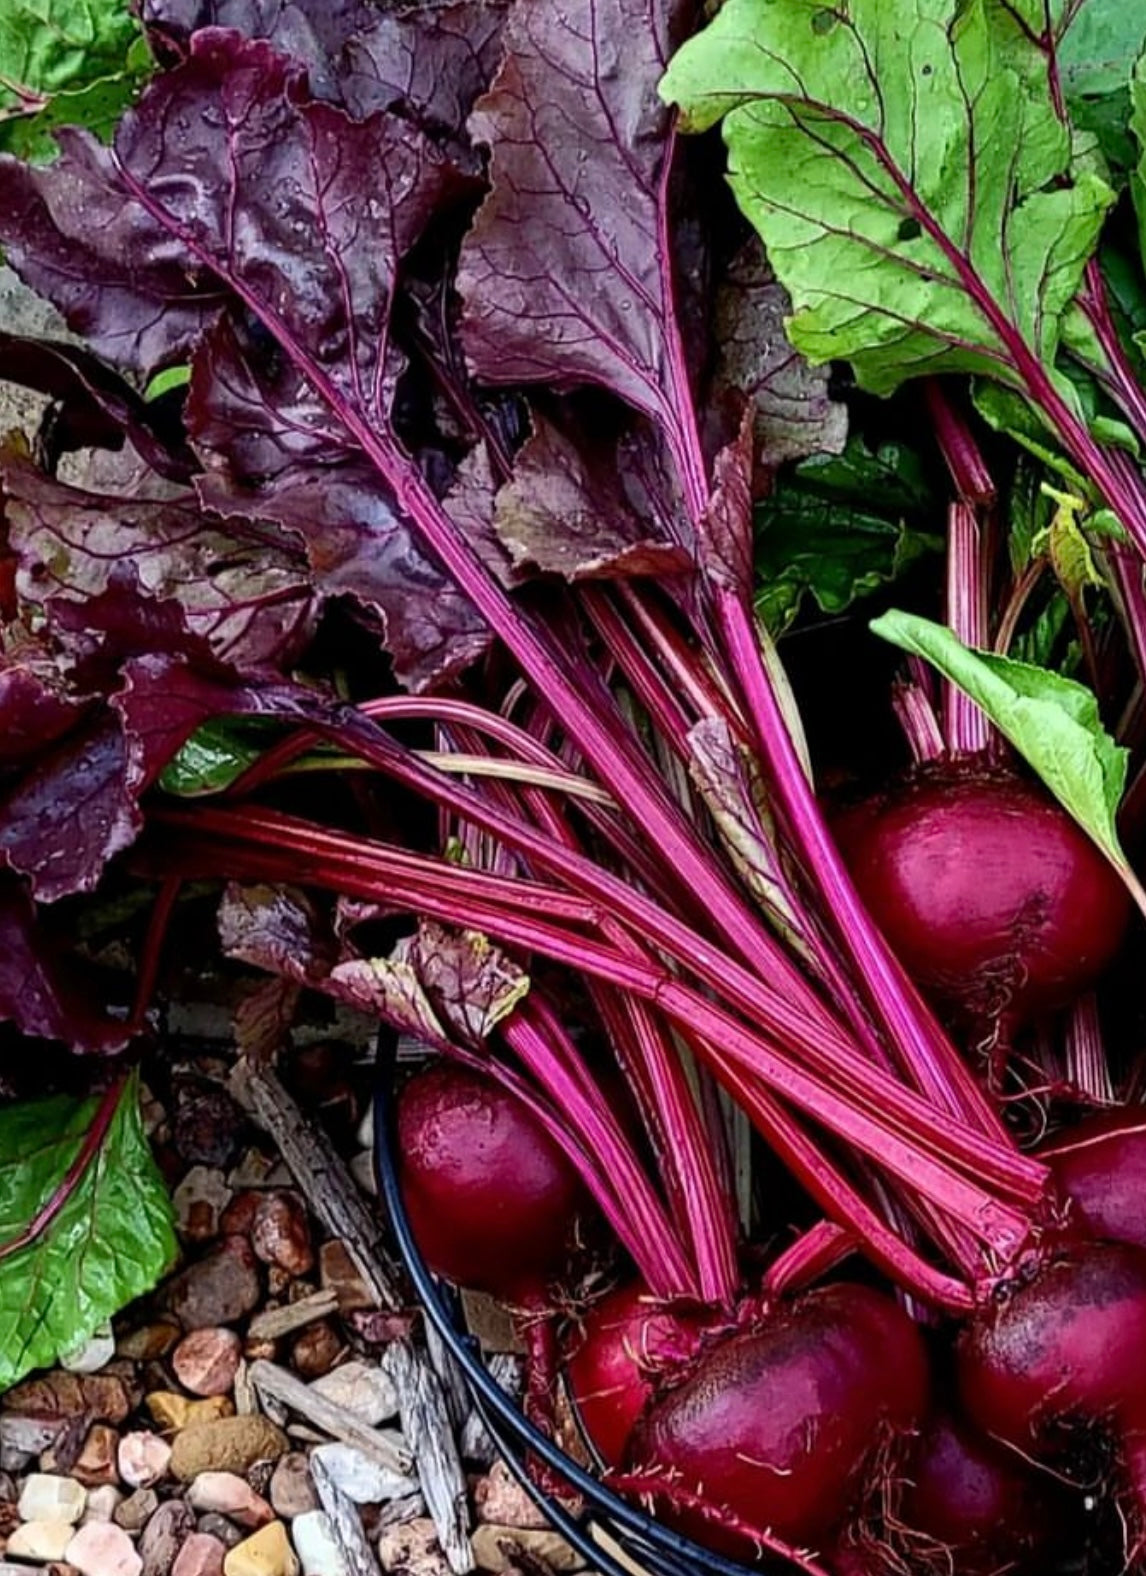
pixel 484 375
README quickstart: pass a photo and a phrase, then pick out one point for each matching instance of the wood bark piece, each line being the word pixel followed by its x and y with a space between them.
pixel 329 1189
pixel 345 1521
pixel 337 1202
pixel 382 1445
pixel 273 1323
pixel 426 1424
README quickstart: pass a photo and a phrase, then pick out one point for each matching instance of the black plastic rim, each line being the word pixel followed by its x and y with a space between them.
pixel 647 1541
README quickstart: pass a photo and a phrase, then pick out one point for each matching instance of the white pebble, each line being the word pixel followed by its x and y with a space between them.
pixel 93 1354
pixel 359 1478
pixel 47 1497
pixel 362 1389
pixel 316 1546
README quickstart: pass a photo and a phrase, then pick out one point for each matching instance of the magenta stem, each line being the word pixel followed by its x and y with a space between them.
pixel 967 728
pixel 916 716
pixel 928 1057
pixel 964 458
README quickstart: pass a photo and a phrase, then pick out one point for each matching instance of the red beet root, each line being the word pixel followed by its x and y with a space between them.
pixel 1101 1166
pixel 1061 1359
pixel 988 1509
pixel 990 895
pixel 492 1201
pixel 785 1427
pixel 625 1342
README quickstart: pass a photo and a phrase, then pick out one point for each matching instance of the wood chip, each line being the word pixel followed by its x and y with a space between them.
pixel 345 1522
pixel 385 1446
pixel 273 1323
pixel 333 1195
pixel 426 1424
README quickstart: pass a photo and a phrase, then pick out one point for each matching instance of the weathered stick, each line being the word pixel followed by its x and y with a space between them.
pixel 330 1190
pixel 275 1322
pixel 383 1445
pixel 345 1522
pixel 426 1424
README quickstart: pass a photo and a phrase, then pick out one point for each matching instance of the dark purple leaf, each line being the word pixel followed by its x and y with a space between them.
pixel 795 415
pixel 725 531
pixel 35 993
pixel 566 274
pixel 96 407
pixel 313 32
pixel 579 508
pixel 35 706
pixel 71 812
pixel 272 448
pixel 277 929
pixel 242 594
pixel 430 62
pixel 72 231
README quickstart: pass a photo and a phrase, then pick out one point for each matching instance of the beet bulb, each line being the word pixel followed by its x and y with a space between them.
pixel 993 899
pixel 626 1344
pixel 1101 1166
pixel 986 1508
pixel 787 1427
pixel 1057 1364
pixel 493 1203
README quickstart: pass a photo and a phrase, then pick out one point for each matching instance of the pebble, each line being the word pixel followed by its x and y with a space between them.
pixel 201 1555
pixel 163 1537
pixel 364 1134
pixel 316 1546
pixel 199 1202
pixel 228 1494
pixel 216 1526
pixel 136 1510
pixel 174 1411
pixel 91 1355
pixel 292 1489
pixel 413 1549
pixel 359 1478
pixel 337 1270
pixel 103 1549
pixel 22 1438
pixel 95 1466
pixel 316 1349
pixel 144 1459
pixel 206 1124
pixel 105 1398
pixel 280 1233
pixel 232 1444
pixel 150 1341
pixel 40 1541
pixel 266 1553
pixel 205 1361
pixel 48 1498
pixel 494 1548
pixel 103 1502
pixel 219 1289
pixel 500 1498
pixel 362 1389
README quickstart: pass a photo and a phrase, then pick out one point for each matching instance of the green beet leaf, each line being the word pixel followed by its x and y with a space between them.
pixel 1095 56
pixel 836 528
pixel 904 164
pixel 1052 722
pixel 66 63
pixel 111 1242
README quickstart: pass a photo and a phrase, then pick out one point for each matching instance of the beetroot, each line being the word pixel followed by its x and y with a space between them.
pixel 493 1202
pixel 625 1343
pixel 986 1507
pixel 785 1427
pixel 990 895
pixel 1059 1360
pixel 1101 1166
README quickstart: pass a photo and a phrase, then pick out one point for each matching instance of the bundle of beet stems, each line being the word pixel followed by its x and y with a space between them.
pixel 636 918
